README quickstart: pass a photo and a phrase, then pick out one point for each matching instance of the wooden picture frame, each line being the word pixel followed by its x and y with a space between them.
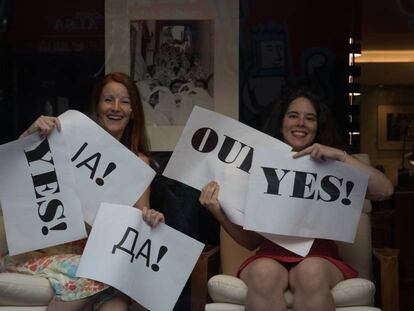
pixel 395 121
pixel 224 17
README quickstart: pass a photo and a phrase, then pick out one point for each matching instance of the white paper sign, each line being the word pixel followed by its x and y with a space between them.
pixel 151 265
pixel 216 147
pixel 38 195
pixel 105 170
pixel 303 197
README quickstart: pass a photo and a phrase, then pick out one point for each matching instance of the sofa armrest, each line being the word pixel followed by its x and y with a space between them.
pixel 200 275
pixel 389 279
pixel 3 242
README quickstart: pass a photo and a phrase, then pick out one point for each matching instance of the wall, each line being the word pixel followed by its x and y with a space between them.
pixel 386 25
pixel 372 97
pixel 282 42
pixel 50 56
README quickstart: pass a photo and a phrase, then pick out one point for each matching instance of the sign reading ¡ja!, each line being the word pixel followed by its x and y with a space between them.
pixel 105 170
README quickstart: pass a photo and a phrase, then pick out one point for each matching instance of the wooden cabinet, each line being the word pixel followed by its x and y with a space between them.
pixel 383 224
pixel 404 230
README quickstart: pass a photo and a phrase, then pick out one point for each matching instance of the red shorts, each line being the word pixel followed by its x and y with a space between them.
pixel 326 249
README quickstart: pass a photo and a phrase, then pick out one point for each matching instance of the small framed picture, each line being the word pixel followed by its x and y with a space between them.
pixel 181 54
pixel 395 124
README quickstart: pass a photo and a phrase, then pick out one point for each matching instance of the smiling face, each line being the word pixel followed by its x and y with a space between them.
pixel 300 124
pixel 114 109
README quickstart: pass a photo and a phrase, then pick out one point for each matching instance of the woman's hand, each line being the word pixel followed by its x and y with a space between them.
pixel 44 125
pixel 151 216
pixel 379 186
pixel 321 152
pixel 209 197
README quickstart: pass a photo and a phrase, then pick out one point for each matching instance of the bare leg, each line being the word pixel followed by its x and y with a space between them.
pixel 75 305
pixel 266 281
pixel 311 282
pixel 119 303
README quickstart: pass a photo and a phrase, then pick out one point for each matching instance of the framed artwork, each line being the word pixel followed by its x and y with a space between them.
pixel 271 50
pixel 395 123
pixel 180 53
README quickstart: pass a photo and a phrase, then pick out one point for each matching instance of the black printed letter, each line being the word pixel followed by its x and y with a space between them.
pixel 330 188
pixel 204 140
pixel 126 250
pixel 147 245
pixel 39 152
pixel 51 210
pixel 95 164
pixel 300 184
pixel 226 148
pixel 48 180
pixel 273 180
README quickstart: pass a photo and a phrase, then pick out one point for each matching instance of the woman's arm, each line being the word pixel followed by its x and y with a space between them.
pixel 209 199
pixel 44 125
pixel 150 216
pixel 379 186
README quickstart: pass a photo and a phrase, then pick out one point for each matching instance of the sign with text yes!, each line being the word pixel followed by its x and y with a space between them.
pixel 304 197
pixel 105 170
pixel 38 195
pixel 143 261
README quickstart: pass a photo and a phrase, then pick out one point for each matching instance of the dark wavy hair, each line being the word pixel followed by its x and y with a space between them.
pixel 327 133
pixel 135 135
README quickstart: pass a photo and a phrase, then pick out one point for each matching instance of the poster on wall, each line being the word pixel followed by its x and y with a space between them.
pixel 180 54
pixel 174 70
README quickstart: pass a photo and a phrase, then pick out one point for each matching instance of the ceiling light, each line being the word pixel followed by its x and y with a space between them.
pixel 386 56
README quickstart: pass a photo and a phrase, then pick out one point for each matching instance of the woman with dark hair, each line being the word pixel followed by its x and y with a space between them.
pixel 326 132
pixel 116 106
pixel 302 121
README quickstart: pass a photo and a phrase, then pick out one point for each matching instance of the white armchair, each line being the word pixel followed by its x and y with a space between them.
pixel 21 292
pixel 228 292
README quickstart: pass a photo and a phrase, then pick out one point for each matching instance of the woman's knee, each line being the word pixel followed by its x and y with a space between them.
pixel 265 273
pixel 311 275
pixel 117 303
